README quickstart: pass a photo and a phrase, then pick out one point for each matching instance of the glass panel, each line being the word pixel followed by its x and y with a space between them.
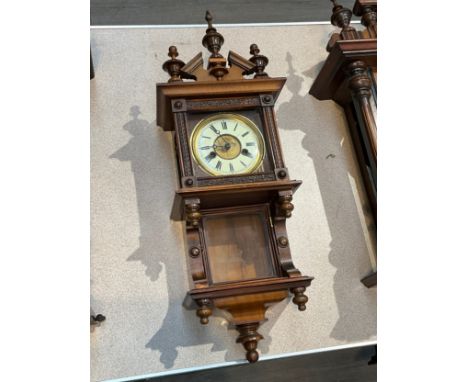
pixel 372 73
pixel 237 247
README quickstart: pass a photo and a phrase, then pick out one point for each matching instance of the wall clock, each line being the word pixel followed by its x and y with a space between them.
pixel 234 190
pixel 348 77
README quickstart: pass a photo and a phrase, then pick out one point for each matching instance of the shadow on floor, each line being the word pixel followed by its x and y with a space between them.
pixel 150 150
pixel 347 246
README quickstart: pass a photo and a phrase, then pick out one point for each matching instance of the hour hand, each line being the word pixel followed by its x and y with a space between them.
pixel 246 153
pixel 210 156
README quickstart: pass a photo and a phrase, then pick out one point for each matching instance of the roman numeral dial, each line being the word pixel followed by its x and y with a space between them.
pixel 227 144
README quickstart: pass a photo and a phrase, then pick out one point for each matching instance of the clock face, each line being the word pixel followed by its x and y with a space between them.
pixel 227 144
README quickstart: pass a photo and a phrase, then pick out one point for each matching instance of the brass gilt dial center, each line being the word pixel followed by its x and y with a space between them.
pixel 227 146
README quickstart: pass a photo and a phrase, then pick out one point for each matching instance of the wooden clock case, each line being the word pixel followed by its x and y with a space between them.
pixel 237 244
pixel 348 77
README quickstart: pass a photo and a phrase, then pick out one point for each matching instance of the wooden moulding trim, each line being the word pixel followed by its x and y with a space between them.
pixel 361 47
pixel 250 287
pixel 165 92
pixel 247 189
pixel 332 74
pixel 242 187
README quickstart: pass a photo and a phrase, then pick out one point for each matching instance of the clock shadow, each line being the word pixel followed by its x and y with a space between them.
pixel 328 149
pixel 151 156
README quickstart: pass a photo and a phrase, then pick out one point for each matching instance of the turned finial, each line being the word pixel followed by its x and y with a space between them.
pixel 249 337
pixel 174 65
pixel 204 311
pixel 369 19
pixel 341 18
pixel 259 60
pixel 212 40
pixel 300 299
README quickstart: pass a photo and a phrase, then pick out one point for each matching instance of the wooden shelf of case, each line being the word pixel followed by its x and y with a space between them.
pixel 233 194
pixel 249 287
pixel 331 83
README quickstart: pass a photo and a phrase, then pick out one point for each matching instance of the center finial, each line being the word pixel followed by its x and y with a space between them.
pixel 212 40
pixel 209 19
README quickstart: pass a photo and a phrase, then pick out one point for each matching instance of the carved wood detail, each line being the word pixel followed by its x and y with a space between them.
pixel 272 136
pixel 192 211
pixel 204 311
pixel 284 203
pixel 233 180
pixel 225 103
pixel 185 159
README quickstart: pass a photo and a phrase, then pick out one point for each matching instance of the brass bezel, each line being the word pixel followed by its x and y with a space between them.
pixel 201 124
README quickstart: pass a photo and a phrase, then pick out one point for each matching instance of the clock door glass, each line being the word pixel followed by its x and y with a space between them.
pixel 237 247
pixel 227 144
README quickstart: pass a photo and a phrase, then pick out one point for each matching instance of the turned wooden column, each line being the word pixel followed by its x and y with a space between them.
pixel 360 85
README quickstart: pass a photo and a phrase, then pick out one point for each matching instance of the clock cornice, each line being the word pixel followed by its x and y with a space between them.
pixel 167 92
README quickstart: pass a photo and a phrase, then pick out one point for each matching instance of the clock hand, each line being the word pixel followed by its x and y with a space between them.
pixel 215 130
pixel 246 153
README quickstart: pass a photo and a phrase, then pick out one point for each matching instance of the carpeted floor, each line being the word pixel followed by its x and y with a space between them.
pixel 167 12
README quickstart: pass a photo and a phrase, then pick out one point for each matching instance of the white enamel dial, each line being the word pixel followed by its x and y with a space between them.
pixel 227 144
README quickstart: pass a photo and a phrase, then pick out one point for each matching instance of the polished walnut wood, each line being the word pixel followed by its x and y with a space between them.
pixel 222 91
pixel 237 244
pixel 348 78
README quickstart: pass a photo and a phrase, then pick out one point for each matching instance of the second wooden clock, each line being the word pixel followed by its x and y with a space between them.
pixel 235 193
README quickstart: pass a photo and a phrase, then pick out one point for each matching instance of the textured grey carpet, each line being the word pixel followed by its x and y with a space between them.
pixel 164 12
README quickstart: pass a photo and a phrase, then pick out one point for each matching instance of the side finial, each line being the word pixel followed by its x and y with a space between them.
pixel 174 65
pixel 341 18
pixel 259 60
